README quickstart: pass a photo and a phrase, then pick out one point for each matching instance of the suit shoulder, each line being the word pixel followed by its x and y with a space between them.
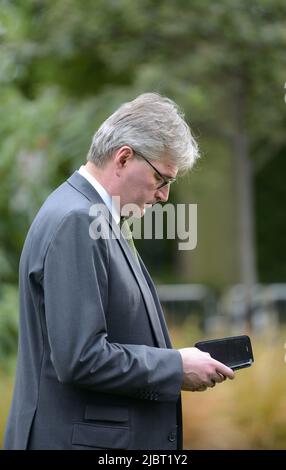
pixel 63 206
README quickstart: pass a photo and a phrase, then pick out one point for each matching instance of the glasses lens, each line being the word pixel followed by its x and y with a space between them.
pixel 165 183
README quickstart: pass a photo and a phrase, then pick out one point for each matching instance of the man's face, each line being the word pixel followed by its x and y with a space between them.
pixel 141 182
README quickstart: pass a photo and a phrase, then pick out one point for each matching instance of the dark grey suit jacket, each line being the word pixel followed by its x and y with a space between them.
pixel 95 366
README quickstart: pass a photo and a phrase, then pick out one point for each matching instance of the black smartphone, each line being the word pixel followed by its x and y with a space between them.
pixel 233 351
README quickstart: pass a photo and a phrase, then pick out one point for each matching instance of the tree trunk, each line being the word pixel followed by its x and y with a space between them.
pixel 247 256
pixel 245 200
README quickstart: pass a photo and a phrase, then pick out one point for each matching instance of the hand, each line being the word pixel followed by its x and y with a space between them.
pixel 201 370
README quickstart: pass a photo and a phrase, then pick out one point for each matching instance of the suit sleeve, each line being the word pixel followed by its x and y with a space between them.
pixel 76 297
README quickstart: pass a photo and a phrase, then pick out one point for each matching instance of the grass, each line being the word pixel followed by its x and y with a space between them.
pixel 6 389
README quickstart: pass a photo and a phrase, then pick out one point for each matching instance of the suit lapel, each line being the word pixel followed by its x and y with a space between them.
pixel 143 285
pixel 83 186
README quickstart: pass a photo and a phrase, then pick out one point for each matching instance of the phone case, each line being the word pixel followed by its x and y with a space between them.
pixel 233 351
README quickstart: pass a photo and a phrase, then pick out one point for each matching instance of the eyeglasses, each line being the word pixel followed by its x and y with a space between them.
pixel 165 179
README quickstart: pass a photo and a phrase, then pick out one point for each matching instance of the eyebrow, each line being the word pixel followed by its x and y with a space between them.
pixel 171 178
pixel 165 177
pixel 156 171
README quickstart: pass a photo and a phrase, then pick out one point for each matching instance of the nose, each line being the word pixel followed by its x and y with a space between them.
pixel 162 194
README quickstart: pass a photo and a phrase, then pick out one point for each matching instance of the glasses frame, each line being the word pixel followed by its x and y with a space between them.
pixel 166 180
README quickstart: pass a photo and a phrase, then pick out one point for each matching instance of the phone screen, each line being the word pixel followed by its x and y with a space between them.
pixel 234 351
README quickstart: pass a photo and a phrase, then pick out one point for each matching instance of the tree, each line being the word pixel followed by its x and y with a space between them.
pixel 72 63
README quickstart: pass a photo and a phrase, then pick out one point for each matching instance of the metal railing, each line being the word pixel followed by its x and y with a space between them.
pixel 238 308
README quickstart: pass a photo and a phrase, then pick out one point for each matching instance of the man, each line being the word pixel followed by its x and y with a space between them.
pixel 96 369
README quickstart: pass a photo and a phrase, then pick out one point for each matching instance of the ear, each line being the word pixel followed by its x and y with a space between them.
pixel 123 156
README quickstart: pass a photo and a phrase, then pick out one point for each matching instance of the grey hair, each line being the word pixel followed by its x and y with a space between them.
pixel 152 125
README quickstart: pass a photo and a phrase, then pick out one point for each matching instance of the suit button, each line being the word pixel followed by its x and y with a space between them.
pixel 172 436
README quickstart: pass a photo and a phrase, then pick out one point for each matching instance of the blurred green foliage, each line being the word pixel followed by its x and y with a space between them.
pixel 270 220
pixel 8 326
pixel 66 65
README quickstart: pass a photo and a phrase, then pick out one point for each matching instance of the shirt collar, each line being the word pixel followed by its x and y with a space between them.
pixel 102 192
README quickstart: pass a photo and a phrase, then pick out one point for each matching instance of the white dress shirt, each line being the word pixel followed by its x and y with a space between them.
pixel 105 196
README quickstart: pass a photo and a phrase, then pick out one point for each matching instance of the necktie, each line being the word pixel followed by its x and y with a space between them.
pixel 127 234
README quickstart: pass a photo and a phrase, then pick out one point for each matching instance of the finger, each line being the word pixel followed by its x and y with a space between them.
pixel 224 370
pixel 219 377
pixel 211 382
